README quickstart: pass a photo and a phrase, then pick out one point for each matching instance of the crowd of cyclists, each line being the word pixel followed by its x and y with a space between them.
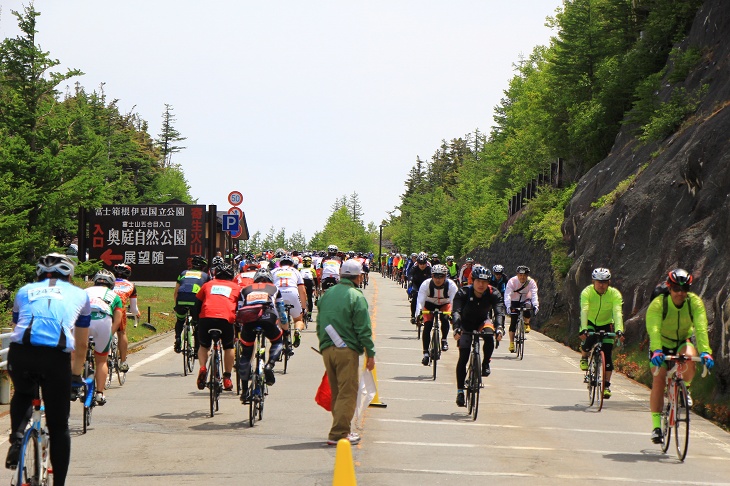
pixel 53 320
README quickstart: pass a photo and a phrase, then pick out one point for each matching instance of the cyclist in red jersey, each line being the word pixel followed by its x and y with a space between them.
pixel 127 291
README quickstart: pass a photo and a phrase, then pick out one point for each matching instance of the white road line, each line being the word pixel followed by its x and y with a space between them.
pixel 399 349
pixel 428 381
pixel 505 426
pixel 562 476
pixel 149 359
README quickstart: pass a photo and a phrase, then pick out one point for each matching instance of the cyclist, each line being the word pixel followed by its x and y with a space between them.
pixel 246 276
pixel 50 319
pixel 128 293
pixel 106 316
pixel 187 286
pixel 600 310
pixel 420 272
pixel 309 275
pixel 453 268
pixel 214 263
pixel 216 305
pixel 472 307
pixel 435 259
pixel 465 272
pixel 520 290
pixel 291 285
pixel 436 292
pixel 499 279
pixel 670 325
pixel 262 292
pixel 331 268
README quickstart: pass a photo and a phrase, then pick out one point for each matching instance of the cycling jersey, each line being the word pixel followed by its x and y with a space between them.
pixel 287 278
pixel 245 278
pixel 46 312
pixel 219 299
pixel 128 293
pixel 331 268
pixel 500 284
pixel 453 269
pixel 465 273
pixel 678 326
pixel 600 309
pixel 308 273
pixel 104 302
pixel 429 293
pixel 189 282
pixel 517 292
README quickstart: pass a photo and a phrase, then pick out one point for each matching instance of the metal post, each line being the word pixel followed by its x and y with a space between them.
pixel 4 376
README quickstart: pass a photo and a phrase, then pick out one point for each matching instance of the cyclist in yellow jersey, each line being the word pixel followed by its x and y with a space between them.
pixel 601 310
pixel 671 319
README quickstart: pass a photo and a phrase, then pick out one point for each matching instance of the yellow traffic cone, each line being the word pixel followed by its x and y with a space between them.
pixel 376 399
pixel 344 467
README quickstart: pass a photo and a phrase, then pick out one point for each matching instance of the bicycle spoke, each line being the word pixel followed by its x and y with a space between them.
pixel 681 422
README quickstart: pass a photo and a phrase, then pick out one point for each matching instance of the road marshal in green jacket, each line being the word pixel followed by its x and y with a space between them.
pixel 345 332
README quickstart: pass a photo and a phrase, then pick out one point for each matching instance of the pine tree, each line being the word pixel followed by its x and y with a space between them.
pixel 169 136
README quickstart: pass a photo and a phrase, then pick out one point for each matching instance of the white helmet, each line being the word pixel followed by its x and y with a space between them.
pixel 601 274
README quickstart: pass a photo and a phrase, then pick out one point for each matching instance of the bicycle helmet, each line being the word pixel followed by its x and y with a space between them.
pixel 55 262
pixel 439 270
pixel 286 259
pixel 498 269
pixel 122 270
pixel 414 255
pixel 523 269
pixel 263 275
pixel 250 267
pixel 422 257
pixel 217 261
pixel 435 256
pixel 307 261
pixel 198 261
pixel 450 258
pixel 601 274
pixel 104 277
pixel 279 253
pixel 469 260
pixel 680 277
pixel 480 273
pixel 332 249
pixel 225 272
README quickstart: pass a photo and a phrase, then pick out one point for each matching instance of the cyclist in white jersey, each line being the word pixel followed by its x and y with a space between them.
pixel 291 285
pixel 331 268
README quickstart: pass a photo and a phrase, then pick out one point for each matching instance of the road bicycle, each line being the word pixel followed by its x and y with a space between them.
pixel 419 325
pixel 288 351
pixel 473 383
pixel 520 330
pixel 238 349
pixel 113 363
pixel 595 376
pixel 434 352
pixel 89 388
pixel 34 455
pixel 676 406
pixel 257 388
pixel 215 371
pixel 187 344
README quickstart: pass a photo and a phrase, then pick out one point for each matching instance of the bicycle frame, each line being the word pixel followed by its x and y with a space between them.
pixel 435 346
pixel 595 375
pixel 188 344
pixel 520 329
pixel 473 382
pixel 215 378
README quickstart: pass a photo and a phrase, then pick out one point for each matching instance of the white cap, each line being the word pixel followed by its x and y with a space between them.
pixel 351 268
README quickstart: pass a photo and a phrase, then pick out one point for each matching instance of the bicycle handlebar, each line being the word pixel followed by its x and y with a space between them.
pixel 681 358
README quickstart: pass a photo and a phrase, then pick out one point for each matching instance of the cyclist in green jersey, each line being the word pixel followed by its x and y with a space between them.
pixel 600 310
pixel 670 325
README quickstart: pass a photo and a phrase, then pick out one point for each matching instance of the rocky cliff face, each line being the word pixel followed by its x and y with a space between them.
pixel 676 212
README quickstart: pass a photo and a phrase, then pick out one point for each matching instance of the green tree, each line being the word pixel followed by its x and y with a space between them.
pixel 169 137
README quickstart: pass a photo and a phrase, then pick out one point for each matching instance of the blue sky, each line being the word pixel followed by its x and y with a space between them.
pixel 296 103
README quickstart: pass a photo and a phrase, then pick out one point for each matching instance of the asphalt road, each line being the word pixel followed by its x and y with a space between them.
pixel 534 425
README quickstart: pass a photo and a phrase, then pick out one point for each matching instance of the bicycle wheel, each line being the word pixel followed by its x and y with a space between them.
pixel 29 463
pixel 212 382
pixel 475 385
pixel 521 349
pixel 287 350
pixel 252 402
pixel 591 374
pixel 666 423
pixel 519 336
pixel 419 324
pixel 261 398
pixel 600 377
pixel 681 421
pixel 468 389
pixel 235 366
pixel 110 369
pixel 435 349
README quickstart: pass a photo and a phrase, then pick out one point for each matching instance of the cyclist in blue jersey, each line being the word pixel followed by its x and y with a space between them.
pixel 51 318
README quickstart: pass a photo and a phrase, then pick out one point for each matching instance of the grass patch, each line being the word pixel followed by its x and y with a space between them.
pixel 620 189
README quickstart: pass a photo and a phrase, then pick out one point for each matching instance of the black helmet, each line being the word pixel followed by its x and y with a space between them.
pixel 224 271
pixel 55 263
pixel 263 275
pixel 198 261
pixel 104 277
pixel 122 270
pixel 523 269
pixel 680 277
pixel 480 273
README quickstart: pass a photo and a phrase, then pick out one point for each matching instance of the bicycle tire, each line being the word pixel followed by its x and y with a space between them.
pixel 212 381
pixel 29 462
pixel 235 366
pixel 475 385
pixel 252 401
pixel 591 373
pixel 477 391
pixel 185 344
pixel 600 379
pixel 435 343
pixel 666 424
pixel 519 336
pixel 521 352
pixel 681 421
pixel 261 398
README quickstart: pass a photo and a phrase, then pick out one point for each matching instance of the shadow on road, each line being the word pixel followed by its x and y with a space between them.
pixel 161 375
pixel 414 378
pixel 302 446
pixel 187 416
pixel 219 426
pixel 454 416
pixel 645 455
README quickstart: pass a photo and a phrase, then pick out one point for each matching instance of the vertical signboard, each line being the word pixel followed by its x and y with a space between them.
pixel 157 241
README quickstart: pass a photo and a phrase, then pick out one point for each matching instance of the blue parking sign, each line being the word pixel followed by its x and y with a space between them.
pixel 230 222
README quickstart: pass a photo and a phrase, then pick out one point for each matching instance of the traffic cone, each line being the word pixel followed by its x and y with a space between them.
pixel 376 399
pixel 344 467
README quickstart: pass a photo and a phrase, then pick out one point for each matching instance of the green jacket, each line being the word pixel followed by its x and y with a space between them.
pixel 601 309
pixel 344 306
pixel 678 326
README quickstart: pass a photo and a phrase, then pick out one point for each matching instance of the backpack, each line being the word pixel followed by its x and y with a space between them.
pixel 663 290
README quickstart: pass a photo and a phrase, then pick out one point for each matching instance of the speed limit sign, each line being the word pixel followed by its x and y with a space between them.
pixel 235 198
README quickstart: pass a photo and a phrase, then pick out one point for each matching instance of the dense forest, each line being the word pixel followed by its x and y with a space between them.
pixel 601 70
pixel 62 151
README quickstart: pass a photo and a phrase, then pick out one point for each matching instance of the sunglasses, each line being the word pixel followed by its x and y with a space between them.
pixel 679 288
pixel 438 276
